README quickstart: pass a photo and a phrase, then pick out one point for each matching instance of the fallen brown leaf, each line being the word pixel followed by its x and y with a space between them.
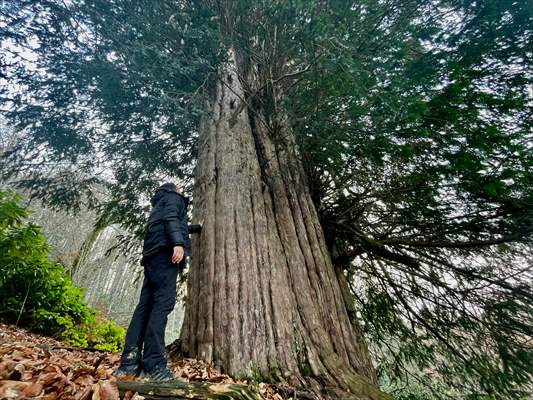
pixel 49 370
pixel 33 390
pixel 96 392
pixel 108 391
pixel 12 389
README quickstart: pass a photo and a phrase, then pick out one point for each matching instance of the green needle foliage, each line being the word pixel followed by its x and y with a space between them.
pixel 414 123
pixel 418 150
pixel 114 103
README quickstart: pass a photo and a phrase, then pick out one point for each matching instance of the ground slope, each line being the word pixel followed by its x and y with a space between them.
pixel 37 367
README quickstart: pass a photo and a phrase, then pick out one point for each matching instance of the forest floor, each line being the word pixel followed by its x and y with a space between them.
pixel 38 367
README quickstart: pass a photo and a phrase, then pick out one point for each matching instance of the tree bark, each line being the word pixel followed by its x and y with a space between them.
pixel 85 248
pixel 263 297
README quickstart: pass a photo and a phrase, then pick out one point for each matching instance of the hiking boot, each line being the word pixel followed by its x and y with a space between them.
pixel 129 363
pixel 127 370
pixel 159 374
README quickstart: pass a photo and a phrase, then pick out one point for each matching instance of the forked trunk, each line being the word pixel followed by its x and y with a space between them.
pixel 263 298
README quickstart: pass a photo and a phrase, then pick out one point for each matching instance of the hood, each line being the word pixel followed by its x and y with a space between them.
pixel 164 191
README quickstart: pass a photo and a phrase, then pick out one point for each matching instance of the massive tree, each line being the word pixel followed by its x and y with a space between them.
pixel 369 150
pixel 262 291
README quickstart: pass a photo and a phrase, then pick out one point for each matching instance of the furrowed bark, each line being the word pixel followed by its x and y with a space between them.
pixel 263 296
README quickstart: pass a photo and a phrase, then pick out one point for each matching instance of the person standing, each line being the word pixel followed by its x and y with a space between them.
pixel 165 248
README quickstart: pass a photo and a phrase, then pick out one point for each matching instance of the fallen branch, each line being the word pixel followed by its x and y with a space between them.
pixel 182 390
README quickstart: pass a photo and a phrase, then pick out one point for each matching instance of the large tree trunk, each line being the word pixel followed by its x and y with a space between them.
pixel 263 296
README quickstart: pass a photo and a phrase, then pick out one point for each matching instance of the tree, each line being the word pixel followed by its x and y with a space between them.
pixel 397 128
pixel 423 178
pixel 262 258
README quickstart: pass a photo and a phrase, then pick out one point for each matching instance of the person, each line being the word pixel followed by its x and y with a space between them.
pixel 165 248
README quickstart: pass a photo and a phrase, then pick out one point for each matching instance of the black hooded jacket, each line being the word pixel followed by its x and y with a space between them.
pixel 167 224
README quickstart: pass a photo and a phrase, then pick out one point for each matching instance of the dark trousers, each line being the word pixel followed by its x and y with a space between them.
pixel 158 297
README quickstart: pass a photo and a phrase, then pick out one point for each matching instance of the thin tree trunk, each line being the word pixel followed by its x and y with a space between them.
pixel 263 297
pixel 86 247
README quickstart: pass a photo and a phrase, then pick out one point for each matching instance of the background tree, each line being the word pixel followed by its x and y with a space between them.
pixel 412 121
pixel 36 293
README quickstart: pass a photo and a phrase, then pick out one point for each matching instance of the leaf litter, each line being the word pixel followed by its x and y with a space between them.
pixel 38 367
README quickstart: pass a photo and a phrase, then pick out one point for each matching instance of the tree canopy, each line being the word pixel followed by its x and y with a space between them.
pixel 413 120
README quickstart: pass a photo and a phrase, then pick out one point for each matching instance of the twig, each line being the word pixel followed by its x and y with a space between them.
pixel 23 304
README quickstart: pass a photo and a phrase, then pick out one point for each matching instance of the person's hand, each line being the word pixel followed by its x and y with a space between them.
pixel 177 254
pixel 195 228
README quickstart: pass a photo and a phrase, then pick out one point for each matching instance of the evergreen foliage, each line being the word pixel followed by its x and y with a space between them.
pixel 418 150
pixel 414 121
pixel 36 293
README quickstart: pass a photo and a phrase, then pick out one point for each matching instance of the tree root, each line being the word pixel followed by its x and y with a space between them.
pixel 230 391
pixel 182 390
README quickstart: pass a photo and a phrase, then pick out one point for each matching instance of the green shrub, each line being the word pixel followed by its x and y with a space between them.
pixel 96 332
pixel 37 293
